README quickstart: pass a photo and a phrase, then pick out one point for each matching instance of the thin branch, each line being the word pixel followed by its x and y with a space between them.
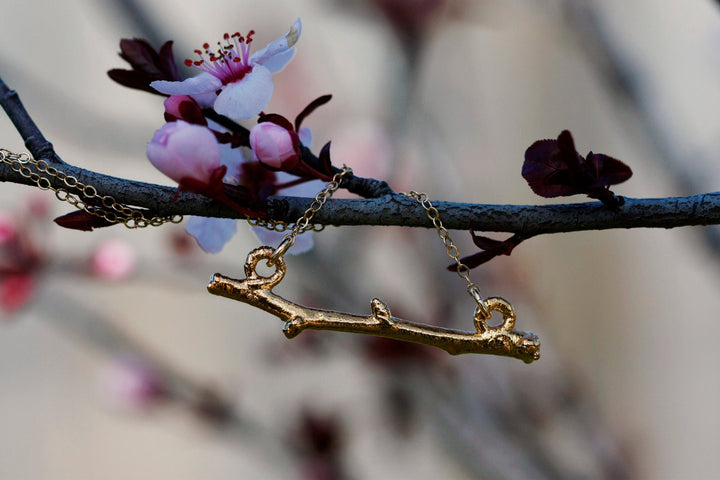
pixel 35 141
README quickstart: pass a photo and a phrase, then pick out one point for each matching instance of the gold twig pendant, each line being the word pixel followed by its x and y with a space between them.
pixel 257 291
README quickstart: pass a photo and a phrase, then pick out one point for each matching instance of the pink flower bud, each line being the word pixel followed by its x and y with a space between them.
pixel 272 144
pixel 181 150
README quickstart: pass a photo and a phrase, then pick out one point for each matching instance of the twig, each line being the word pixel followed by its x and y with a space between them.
pixel 35 141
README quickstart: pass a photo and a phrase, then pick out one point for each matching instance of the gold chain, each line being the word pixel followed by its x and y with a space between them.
pixel 303 223
pixel 452 251
pixel 108 208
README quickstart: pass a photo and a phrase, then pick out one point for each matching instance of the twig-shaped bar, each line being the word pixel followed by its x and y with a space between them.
pixel 257 291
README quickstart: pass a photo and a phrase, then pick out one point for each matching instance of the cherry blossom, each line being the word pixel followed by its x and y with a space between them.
pixel 244 81
pixel 272 144
pixel 184 151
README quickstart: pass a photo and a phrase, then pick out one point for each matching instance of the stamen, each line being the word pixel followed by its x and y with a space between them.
pixel 230 61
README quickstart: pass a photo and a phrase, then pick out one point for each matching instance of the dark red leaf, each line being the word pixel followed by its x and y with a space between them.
pixel 568 153
pixel 132 79
pixel 82 220
pixel 140 55
pixel 485 243
pixel 553 168
pixel 474 260
pixel 491 249
pixel 325 165
pixel 167 62
pixel 608 170
pixel 543 161
pixel 147 64
pixel 309 109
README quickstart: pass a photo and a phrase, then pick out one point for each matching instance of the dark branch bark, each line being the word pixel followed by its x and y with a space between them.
pixel 394 209
pixel 35 141
pixel 381 206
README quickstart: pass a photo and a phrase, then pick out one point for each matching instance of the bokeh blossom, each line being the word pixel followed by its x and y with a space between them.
pixel 113 260
pixel 131 384
pixel 21 257
pixel 244 81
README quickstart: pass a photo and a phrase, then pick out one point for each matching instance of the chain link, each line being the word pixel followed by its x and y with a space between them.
pixel 452 251
pixel 78 194
pixel 303 224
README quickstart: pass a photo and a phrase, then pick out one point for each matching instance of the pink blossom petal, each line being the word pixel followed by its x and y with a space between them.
pixel 211 233
pixel 305 135
pixel 233 158
pixel 197 85
pixel 279 47
pixel 278 61
pixel 181 150
pixel 247 97
pixel 205 100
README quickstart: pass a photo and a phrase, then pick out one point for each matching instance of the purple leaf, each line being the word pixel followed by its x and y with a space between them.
pixel 147 65
pixel 82 220
pixel 553 168
pixel 490 249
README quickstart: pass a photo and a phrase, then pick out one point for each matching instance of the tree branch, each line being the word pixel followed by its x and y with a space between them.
pixel 395 209
pixel 381 206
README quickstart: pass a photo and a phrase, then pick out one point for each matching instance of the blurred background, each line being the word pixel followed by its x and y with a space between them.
pixel 115 363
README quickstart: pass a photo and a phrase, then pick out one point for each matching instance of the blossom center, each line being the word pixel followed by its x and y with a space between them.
pixel 230 62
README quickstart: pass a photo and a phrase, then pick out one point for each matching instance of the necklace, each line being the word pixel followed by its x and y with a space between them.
pixel 256 290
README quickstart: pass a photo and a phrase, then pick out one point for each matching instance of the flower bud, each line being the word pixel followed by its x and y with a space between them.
pixel 184 151
pixel 273 145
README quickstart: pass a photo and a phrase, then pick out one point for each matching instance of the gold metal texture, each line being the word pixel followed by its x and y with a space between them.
pixel 256 290
pixel 78 194
pixel 303 224
pixel 452 251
